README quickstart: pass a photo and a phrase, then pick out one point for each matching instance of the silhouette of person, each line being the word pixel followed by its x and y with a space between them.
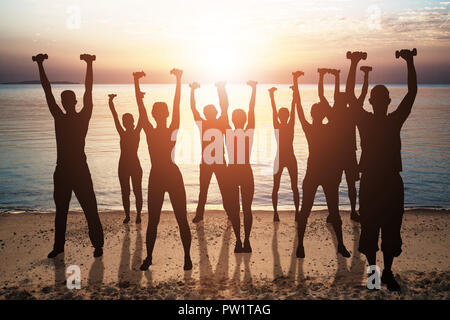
pixel 381 188
pixel 345 133
pixel 239 145
pixel 284 124
pixel 322 169
pixel 165 176
pixel 211 128
pixel 72 172
pixel 129 165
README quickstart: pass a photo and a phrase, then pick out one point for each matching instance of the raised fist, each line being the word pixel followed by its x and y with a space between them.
pixel 87 57
pixel 272 90
pixel 406 54
pixel 252 83
pixel 334 71
pixel 40 57
pixel 176 72
pixel 140 95
pixel 297 74
pixel 112 96
pixel 194 85
pixel 138 74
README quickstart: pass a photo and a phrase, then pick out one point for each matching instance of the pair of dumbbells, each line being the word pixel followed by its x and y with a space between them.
pixel 82 57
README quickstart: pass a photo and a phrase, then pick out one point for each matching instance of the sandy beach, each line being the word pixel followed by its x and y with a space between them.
pixel 270 272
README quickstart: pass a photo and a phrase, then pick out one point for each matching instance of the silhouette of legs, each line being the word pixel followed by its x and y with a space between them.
pixel 81 184
pixel 84 191
pixel 155 203
pixel 309 188
pixel 351 185
pixel 62 194
pixel 332 196
pixel 136 180
pixel 381 208
pixel 173 183
pixel 177 196
pixel 247 192
pixel 230 198
pixel 124 179
pixel 276 187
pixel 206 172
pixel 293 173
pixel 351 176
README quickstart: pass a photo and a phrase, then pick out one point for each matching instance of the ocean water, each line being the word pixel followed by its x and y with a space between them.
pixel 28 148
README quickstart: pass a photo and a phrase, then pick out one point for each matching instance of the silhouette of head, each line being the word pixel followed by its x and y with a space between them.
pixel 210 112
pixel 318 112
pixel 283 115
pixel 341 99
pixel 68 100
pixel 239 118
pixel 128 121
pixel 160 111
pixel 379 99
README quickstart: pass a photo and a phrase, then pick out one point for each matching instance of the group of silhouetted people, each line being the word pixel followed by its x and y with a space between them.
pixel 332 152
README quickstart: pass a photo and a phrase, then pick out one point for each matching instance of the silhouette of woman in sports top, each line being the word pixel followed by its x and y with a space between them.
pixel 129 165
pixel 284 124
pixel 322 169
pixel 239 146
pixel 164 174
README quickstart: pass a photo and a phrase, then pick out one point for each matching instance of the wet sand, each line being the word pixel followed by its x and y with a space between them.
pixel 271 272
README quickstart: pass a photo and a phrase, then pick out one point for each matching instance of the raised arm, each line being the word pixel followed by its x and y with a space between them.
pixel 296 95
pixel 175 124
pixel 276 123
pixel 337 82
pixel 291 121
pixel 404 109
pixel 365 86
pixel 354 57
pixel 193 86
pixel 119 128
pixel 223 102
pixel 321 72
pixel 143 117
pixel 354 103
pixel 251 107
pixel 52 105
pixel 88 82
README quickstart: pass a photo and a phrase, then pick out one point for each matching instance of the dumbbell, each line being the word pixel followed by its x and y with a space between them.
pixel 413 51
pixel 139 73
pixel 363 55
pixel 83 56
pixel 365 68
pixel 301 73
pixel 34 57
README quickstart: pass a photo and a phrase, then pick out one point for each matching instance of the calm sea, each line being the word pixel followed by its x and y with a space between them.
pixel 28 149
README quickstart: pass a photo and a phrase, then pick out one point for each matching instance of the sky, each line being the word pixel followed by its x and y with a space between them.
pixel 232 40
